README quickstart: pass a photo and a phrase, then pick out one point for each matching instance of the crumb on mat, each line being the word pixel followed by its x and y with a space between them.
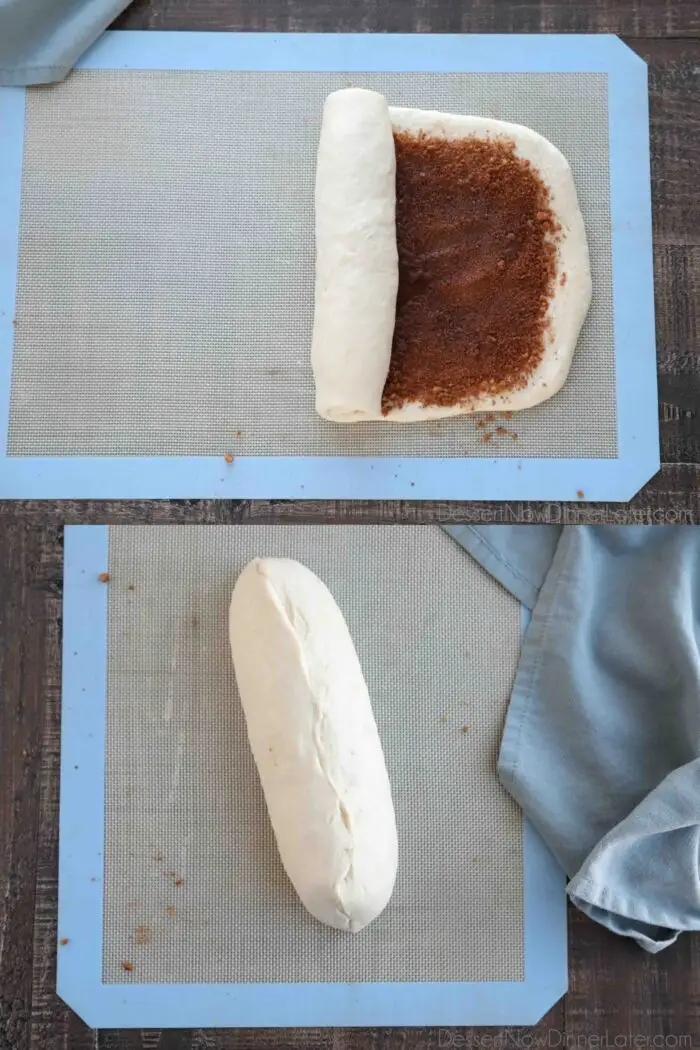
pixel 143 935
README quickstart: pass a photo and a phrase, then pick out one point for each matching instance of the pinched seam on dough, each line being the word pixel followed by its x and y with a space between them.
pixel 295 619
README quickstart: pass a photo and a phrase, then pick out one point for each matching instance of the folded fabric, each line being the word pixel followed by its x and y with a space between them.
pixel 601 745
pixel 41 40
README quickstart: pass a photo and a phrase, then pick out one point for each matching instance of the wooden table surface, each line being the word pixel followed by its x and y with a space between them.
pixel 616 990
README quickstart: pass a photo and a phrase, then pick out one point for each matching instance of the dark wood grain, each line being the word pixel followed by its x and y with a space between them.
pixel 674 86
pixel 22 646
pixel 634 18
pixel 672 497
pixel 617 988
pixel 614 987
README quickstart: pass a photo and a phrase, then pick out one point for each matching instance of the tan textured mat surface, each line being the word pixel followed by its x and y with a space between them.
pixel 166 266
pixel 194 889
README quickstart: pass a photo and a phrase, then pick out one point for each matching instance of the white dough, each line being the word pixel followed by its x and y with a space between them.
pixel 315 742
pixel 335 313
pixel 357 265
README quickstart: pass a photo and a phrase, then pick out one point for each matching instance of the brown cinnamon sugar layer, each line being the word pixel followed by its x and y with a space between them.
pixel 477 264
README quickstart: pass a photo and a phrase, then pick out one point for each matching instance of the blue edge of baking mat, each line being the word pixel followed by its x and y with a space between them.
pixel 368 477
pixel 80 903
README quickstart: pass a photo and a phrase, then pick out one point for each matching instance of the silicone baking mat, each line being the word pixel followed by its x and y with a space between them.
pixel 164 285
pixel 185 897
pixel 183 324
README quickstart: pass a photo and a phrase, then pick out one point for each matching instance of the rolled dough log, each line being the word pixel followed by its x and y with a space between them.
pixel 357 264
pixel 353 332
pixel 315 742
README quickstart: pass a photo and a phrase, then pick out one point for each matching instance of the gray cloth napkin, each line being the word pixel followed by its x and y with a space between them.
pixel 41 40
pixel 601 745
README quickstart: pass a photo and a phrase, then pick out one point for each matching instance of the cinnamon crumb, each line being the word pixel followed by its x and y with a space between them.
pixel 178 882
pixel 465 729
pixel 238 433
pixel 580 493
pixel 480 424
pixel 63 940
pixel 103 577
pixel 127 966
pixel 143 935
pixel 562 280
pixel 502 431
pixel 171 911
pixel 228 457
pixel 486 437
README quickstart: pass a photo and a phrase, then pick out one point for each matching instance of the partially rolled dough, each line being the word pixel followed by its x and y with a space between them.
pixel 357 258
pixel 315 742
